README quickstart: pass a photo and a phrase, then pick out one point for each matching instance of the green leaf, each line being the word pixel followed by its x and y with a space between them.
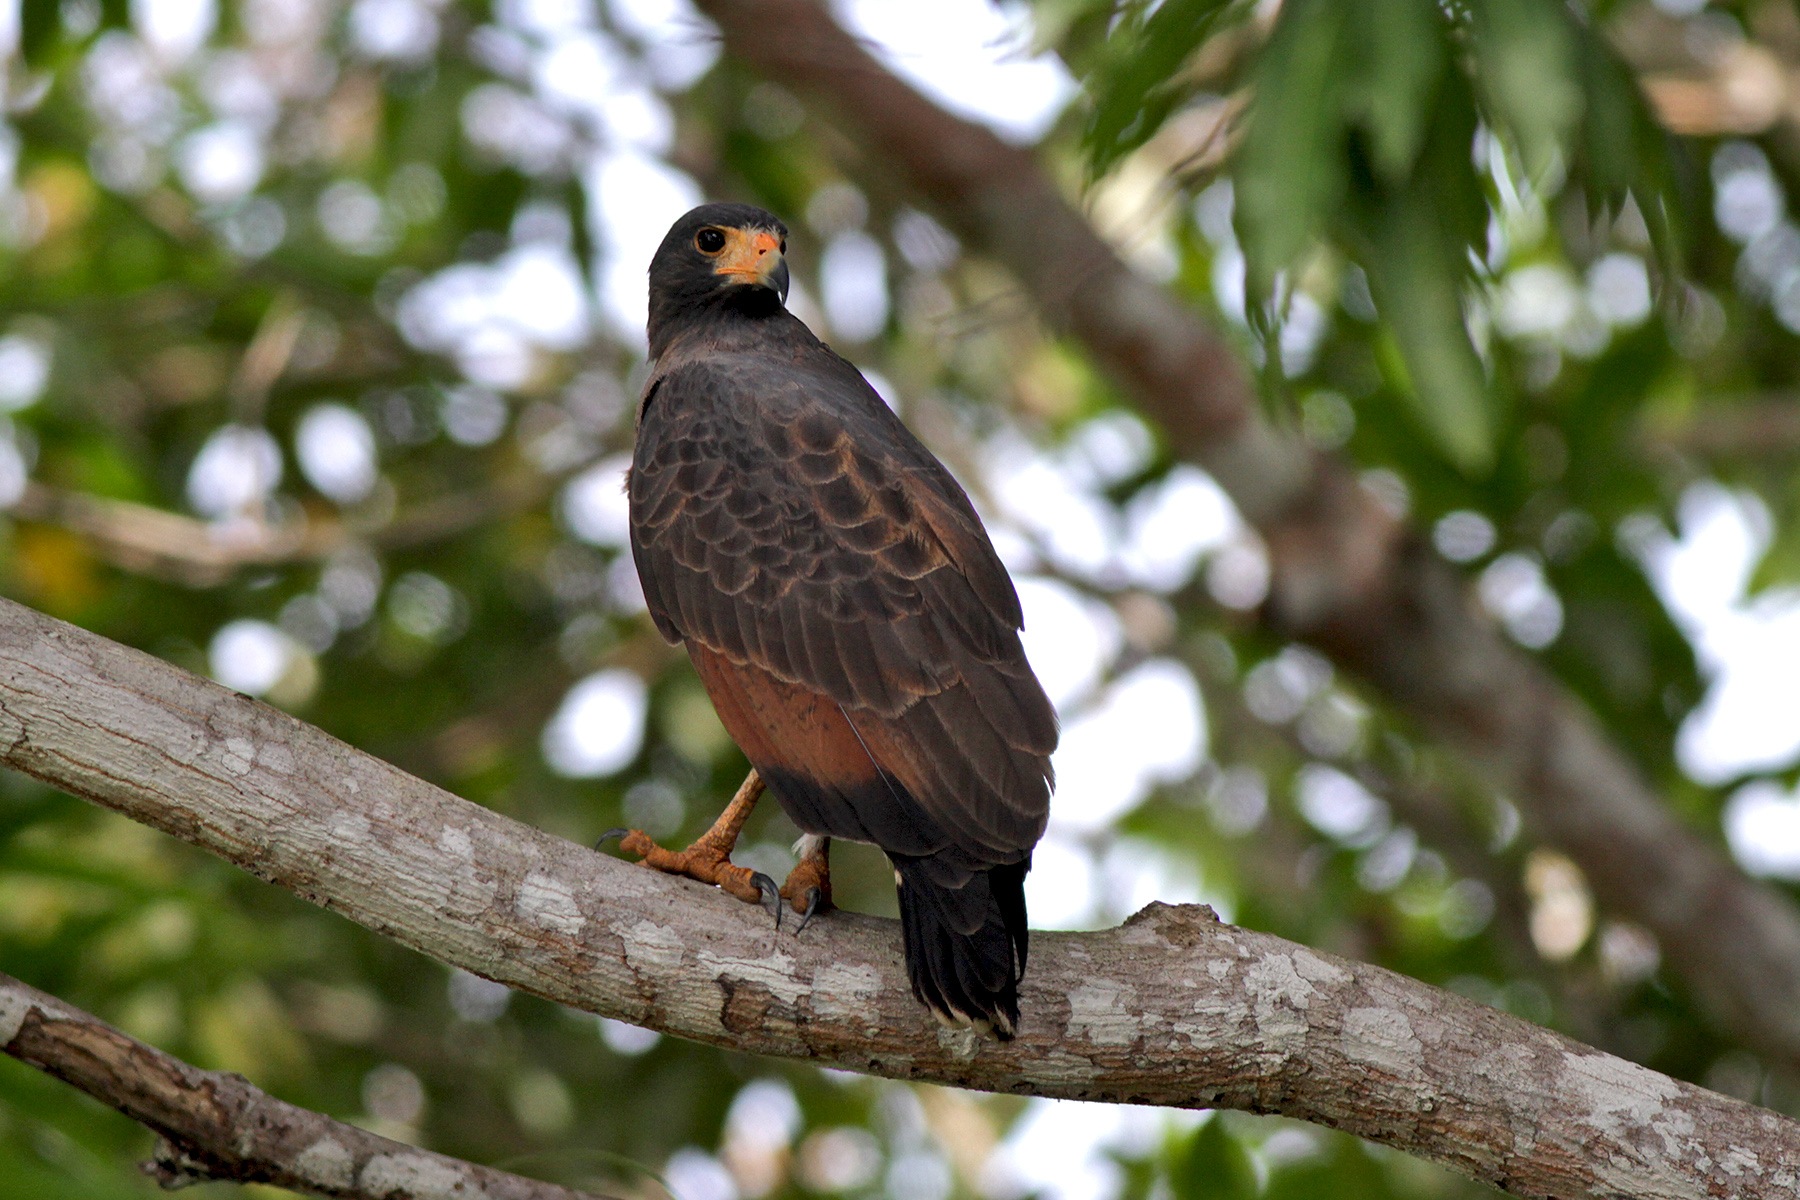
pixel 1346 1173
pixel 1136 84
pixel 1418 289
pixel 1213 1166
pixel 1527 72
pixel 1399 58
pixel 1415 242
pixel 1780 565
pixel 44 41
pixel 1623 149
pixel 1290 169
pixel 40 26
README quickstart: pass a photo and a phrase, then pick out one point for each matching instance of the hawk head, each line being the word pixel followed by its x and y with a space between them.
pixel 718 257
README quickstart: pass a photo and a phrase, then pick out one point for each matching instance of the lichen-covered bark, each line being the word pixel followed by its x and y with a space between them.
pixel 218 1126
pixel 1345 575
pixel 1172 1008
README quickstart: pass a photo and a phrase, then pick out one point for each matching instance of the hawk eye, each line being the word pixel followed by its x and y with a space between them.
pixel 710 240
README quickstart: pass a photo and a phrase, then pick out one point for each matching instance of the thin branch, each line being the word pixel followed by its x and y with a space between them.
pixel 216 1126
pixel 266 358
pixel 1172 1008
pixel 1730 429
pixel 1345 575
pixel 146 540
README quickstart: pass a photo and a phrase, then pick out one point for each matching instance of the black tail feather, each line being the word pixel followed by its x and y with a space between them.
pixel 965 945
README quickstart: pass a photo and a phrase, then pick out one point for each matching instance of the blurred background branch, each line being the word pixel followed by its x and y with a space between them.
pixel 168 545
pixel 1737 429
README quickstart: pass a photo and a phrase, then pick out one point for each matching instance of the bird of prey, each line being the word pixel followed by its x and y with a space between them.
pixel 846 612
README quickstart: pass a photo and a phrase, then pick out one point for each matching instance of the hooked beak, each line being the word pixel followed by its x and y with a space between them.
pixel 754 257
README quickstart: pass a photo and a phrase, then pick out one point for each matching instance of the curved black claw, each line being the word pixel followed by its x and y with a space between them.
pixel 610 835
pixel 769 891
pixel 813 898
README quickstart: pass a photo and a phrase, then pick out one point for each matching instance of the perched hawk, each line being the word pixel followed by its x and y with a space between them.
pixel 846 612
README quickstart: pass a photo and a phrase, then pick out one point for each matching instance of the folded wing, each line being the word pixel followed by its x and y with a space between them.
pixel 786 525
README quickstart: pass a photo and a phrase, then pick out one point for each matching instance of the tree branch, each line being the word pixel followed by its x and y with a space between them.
pixel 143 539
pixel 216 1126
pixel 1172 1008
pixel 1346 576
pixel 1732 429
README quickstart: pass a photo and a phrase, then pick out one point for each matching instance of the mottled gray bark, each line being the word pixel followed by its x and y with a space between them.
pixel 1172 1008
pixel 215 1126
pixel 1346 576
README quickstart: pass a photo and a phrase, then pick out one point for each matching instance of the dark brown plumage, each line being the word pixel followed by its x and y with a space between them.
pixel 842 606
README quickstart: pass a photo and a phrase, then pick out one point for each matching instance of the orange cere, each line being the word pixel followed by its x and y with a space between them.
pixel 752 253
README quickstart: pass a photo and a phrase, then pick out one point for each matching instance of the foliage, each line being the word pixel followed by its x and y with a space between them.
pixel 1431 226
pixel 1362 130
